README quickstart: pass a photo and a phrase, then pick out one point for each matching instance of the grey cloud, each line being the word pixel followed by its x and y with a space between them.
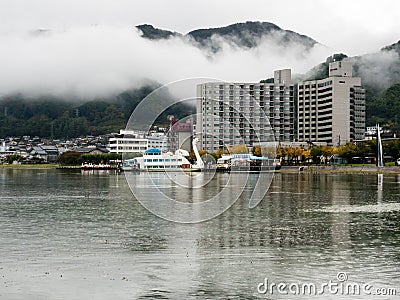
pixel 379 70
pixel 95 61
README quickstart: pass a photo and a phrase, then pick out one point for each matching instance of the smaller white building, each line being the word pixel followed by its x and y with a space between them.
pixel 5 149
pixel 127 142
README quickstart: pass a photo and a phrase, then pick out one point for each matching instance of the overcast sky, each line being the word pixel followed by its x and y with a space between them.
pixel 354 27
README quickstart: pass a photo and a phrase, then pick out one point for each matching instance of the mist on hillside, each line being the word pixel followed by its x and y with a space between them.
pixel 102 61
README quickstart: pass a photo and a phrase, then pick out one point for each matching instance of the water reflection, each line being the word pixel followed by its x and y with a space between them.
pixel 90 229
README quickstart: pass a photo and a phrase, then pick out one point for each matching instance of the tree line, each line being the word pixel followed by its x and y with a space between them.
pixel 51 117
pixel 353 152
pixel 73 158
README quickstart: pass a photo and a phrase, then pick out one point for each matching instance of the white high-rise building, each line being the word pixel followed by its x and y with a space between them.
pixel 331 110
pixel 229 114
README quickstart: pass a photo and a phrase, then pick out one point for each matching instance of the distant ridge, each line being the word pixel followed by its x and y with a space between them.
pixel 249 34
pixel 152 33
pixel 243 35
pixel 395 47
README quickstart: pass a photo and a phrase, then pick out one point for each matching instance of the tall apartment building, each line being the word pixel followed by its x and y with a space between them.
pixel 230 114
pixel 332 110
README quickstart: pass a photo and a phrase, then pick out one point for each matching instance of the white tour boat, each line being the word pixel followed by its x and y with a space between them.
pixel 154 160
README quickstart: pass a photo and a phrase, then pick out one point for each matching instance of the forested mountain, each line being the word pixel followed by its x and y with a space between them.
pixel 395 47
pixel 58 118
pixel 243 35
pixel 152 33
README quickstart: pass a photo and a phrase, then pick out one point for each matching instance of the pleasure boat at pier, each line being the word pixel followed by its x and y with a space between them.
pixel 154 160
pixel 90 166
pixel 246 162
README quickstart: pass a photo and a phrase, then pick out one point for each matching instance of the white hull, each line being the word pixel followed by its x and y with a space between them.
pixel 170 170
pixel 153 160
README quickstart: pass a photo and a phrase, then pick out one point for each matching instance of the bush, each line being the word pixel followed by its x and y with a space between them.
pixel 70 158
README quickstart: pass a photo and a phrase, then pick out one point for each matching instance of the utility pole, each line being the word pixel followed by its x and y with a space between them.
pixel 52 131
pixel 339 141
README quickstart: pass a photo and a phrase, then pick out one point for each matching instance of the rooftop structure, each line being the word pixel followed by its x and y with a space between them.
pixel 331 110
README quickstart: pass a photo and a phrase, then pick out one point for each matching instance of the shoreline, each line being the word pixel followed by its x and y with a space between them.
pixel 29 166
pixel 367 169
pixel 44 166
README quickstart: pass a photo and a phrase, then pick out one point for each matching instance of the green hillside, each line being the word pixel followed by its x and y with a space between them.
pixel 58 118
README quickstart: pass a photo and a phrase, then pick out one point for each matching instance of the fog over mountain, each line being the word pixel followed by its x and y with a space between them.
pixel 378 70
pixel 88 80
pixel 96 61
pixel 102 61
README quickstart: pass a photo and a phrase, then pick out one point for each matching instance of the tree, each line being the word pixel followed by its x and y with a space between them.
pixel 315 153
pixel 392 148
pixel 70 158
pixel 192 156
pixel 239 149
pixel 349 150
pixel 257 151
pixel 14 157
pixel 327 151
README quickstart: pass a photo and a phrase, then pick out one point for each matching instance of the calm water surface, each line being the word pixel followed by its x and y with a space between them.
pixel 72 235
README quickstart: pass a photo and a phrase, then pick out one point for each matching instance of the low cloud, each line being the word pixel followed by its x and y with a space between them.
pixel 99 61
pixel 379 70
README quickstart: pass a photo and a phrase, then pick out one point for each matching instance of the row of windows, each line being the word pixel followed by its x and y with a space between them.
pixel 313 86
pixel 248 100
pixel 128 148
pixel 245 86
pixel 162 160
pixel 128 142
pixel 164 167
pixel 251 93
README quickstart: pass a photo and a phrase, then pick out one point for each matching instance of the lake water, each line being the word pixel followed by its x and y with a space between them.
pixel 82 235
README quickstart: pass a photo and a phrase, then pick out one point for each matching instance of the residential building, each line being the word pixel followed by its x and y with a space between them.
pixel 331 110
pixel 47 153
pixel 91 150
pixel 230 114
pixel 4 149
pixel 370 133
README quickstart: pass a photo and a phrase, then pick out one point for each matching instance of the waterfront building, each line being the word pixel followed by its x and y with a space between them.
pixel 127 142
pixel 229 114
pixel 331 110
